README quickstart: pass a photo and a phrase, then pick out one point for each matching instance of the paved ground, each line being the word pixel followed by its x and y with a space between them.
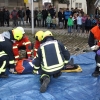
pixel 75 42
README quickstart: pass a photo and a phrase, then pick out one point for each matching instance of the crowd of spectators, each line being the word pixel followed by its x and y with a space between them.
pixel 74 20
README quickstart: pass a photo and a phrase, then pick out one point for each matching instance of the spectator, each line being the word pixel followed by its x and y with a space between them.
pixel 6 16
pixel 48 21
pixel 88 24
pixel 61 18
pixel 79 23
pixel 14 15
pixel 74 22
pixel 39 17
pixel 97 12
pixel 28 15
pixel 44 14
pixel 83 23
pixel 70 24
pixel 93 22
pixel 51 11
pixel 21 15
pixel 67 13
pixel 54 22
pixel 1 17
pixel 35 17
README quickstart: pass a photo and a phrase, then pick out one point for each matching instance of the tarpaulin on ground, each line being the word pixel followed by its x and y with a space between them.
pixel 69 86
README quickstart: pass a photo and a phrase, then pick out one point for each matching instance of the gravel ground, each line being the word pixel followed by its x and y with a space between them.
pixel 75 42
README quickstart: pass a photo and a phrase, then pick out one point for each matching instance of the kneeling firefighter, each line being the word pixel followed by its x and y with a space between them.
pixel 22 43
pixel 6 55
pixel 38 38
pixel 51 58
pixel 94 43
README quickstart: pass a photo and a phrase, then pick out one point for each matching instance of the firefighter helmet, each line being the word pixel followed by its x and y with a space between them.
pixel 17 33
pixel 38 35
pixel 21 28
pixel 47 33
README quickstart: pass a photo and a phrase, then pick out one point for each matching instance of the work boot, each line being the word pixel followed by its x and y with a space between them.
pixel 44 85
pixel 95 73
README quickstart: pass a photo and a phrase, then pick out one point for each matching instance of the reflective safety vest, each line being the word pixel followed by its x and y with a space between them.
pixel 52 57
pixel 96 32
pixel 24 42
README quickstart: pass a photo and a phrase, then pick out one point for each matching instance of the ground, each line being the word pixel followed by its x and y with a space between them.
pixel 75 42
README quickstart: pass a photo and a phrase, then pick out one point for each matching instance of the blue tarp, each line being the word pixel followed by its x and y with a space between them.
pixel 69 86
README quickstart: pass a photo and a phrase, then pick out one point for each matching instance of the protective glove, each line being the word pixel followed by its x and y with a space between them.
pixel 12 70
pixel 95 47
pixel 35 72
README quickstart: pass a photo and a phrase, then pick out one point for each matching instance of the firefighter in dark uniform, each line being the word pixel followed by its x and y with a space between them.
pixel 7 45
pixel 50 58
pixel 94 43
pixel 6 57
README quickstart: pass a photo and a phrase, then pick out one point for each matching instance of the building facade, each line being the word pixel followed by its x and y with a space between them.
pixel 80 4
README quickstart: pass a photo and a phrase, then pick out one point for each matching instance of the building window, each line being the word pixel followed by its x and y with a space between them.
pixel 78 5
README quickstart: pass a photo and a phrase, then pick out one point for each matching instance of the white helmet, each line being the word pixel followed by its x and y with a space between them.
pixel 22 29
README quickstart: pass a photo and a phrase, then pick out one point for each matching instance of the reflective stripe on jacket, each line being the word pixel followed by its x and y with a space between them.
pixel 52 58
pixel 24 42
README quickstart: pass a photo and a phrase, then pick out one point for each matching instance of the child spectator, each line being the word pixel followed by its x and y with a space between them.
pixel 70 24
pixel 48 20
pixel 79 23
pixel 83 22
pixel 74 22
pixel 93 22
pixel 88 24
pixel 54 22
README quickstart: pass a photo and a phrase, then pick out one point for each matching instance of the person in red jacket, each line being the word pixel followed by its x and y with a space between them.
pixel 22 44
pixel 38 38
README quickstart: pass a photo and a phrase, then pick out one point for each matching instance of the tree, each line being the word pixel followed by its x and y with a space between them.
pixel 90 6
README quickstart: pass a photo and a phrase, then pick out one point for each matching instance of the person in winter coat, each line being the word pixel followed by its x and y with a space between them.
pixel 1 17
pixel 44 14
pixel 21 15
pixel 6 16
pixel 88 24
pixel 14 17
pixel 48 21
pixel 61 18
pixel 39 17
pixel 70 24
pixel 67 14
pixel 28 15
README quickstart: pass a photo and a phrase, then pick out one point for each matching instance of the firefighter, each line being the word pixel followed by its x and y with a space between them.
pixel 6 55
pixel 22 44
pixel 94 43
pixel 38 38
pixel 50 58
